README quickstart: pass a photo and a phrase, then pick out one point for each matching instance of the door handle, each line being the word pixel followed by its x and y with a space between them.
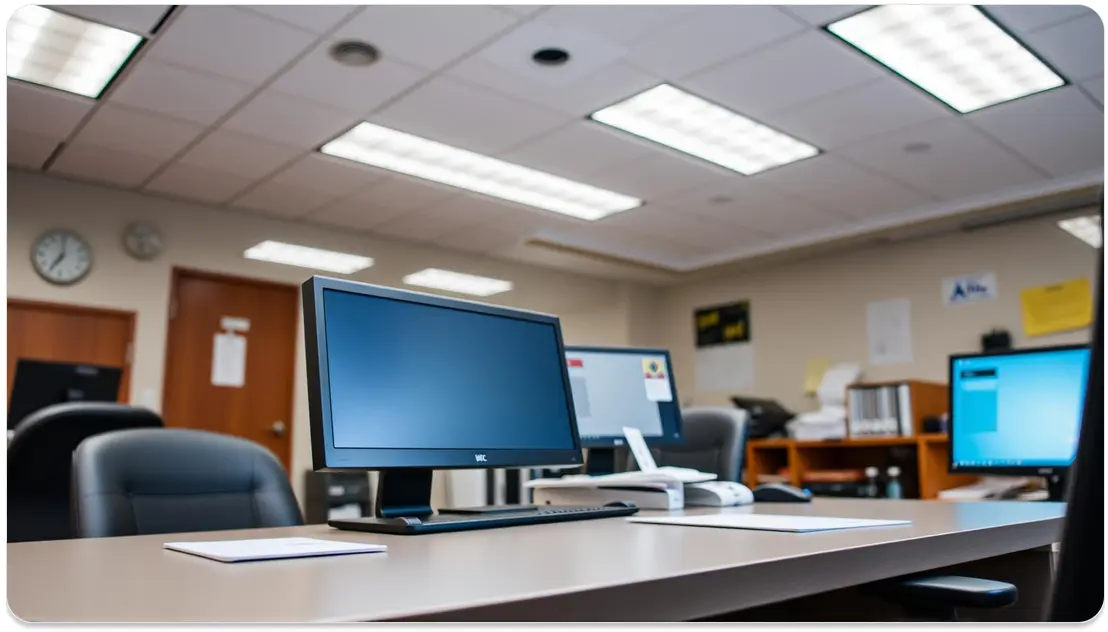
pixel 278 428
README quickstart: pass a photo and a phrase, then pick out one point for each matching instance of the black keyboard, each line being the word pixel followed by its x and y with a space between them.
pixel 465 522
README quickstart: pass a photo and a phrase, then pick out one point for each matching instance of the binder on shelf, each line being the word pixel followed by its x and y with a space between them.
pixel 892 409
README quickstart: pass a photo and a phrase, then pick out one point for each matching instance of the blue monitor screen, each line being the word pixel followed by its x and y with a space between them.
pixel 407 375
pixel 1019 409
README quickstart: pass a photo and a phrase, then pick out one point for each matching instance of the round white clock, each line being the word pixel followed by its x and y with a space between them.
pixel 143 241
pixel 61 257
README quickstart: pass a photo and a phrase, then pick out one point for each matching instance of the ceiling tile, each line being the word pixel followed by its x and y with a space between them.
pixel 1027 18
pixel 1095 87
pixel 1061 131
pixel 404 193
pixel 426 36
pixel 1075 48
pixel 470 208
pixel 962 162
pixel 328 174
pixel 481 239
pixel 683 227
pixel 272 198
pixel 415 227
pixel 101 164
pixel 659 174
pixel 178 92
pixel 44 112
pixel 786 74
pixel 838 184
pixel 315 18
pixel 476 119
pixel 849 116
pixel 353 213
pixel 239 154
pixel 135 18
pixel 229 42
pixel 355 89
pixel 709 35
pixel 521 9
pixel 290 120
pixel 198 183
pixel 622 243
pixel 763 209
pixel 29 151
pixel 580 149
pixel 823 14
pixel 137 132
pixel 622 24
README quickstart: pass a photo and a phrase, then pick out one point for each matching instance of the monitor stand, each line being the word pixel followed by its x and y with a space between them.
pixel 1056 488
pixel 600 461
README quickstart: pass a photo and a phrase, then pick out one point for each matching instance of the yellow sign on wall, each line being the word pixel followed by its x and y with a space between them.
pixel 1059 307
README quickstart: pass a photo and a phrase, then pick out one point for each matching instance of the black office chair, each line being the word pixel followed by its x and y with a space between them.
pixel 139 482
pixel 715 442
pixel 40 457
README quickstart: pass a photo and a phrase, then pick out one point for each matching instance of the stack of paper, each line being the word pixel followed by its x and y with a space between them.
pixel 271 548
pixel 768 522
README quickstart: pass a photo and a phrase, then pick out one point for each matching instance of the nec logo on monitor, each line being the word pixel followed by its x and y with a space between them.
pixel 481 458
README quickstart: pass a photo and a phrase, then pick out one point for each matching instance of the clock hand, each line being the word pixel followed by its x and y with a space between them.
pixel 61 256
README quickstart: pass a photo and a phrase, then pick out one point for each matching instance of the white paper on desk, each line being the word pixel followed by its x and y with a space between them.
pixel 889 331
pixel 271 548
pixel 768 522
pixel 725 368
pixel 229 360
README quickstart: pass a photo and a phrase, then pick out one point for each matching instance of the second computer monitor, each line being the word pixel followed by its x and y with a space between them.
pixel 615 388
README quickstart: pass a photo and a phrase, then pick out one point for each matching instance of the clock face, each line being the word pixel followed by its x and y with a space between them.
pixel 61 257
pixel 142 240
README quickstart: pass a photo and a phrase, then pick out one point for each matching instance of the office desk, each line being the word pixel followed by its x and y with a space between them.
pixel 591 570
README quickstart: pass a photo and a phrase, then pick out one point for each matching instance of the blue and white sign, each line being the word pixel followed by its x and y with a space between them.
pixel 972 288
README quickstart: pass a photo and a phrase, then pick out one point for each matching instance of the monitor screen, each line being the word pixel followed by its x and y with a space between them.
pixel 1017 410
pixel 614 388
pixel 412 380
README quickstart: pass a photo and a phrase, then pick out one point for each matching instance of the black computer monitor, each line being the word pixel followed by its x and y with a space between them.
pixel 39 383
pixel 406 383
pixel 1018 412
pixel 615 388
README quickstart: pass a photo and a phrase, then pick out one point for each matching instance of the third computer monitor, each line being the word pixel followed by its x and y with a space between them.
pixel 1017 412
pixel 615 388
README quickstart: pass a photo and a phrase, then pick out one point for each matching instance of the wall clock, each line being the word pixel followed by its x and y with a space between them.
pixel 143 241
pixel 62 257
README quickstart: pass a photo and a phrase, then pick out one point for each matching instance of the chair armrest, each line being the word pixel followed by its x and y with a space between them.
pixel 948 591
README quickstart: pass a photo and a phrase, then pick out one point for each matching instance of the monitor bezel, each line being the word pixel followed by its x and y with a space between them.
pixel 617 441
pixel 326 457
pixel 1017 470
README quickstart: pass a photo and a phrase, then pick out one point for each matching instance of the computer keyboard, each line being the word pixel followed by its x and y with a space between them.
pixel 464 522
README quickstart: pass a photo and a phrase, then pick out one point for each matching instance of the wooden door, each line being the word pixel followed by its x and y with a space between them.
pixel 261 408
pixel 70 333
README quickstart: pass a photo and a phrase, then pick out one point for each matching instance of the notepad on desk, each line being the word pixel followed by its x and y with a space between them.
pixel 768 522
pixel 271 548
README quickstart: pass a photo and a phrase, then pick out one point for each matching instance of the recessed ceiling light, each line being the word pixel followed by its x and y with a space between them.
pixel 920 147
pixel 404 153
pixel 354 53
pixel 954 52
pixel 458 282
pixel 305 257
pixel 687 123
pixel 550 57
pixel 1087 229
pixel 60 51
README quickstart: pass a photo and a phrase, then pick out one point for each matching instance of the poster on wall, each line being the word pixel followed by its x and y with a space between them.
pixel 724 348
pixel 1056 308
pixel 969 288
pixel 889 331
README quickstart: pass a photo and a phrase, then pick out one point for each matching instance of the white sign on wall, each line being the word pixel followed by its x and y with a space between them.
pixel 971 288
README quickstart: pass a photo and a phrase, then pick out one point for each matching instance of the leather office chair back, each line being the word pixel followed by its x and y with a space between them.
pixel 715 441
pixel 138 482
pixel 40 458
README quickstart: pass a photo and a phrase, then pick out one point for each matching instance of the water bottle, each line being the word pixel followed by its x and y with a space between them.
pixel 892 489
pixel 871 488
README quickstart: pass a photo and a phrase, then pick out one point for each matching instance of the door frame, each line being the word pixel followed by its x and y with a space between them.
pixel 69 308
pixel 177 273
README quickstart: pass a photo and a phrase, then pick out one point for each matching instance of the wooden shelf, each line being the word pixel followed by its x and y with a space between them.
pixel 846 443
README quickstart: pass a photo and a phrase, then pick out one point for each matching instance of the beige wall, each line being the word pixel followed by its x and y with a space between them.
pixel 593 311
pixel 817 307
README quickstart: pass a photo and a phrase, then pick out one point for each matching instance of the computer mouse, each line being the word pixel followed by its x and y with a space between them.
pixel 781 493
pixel 622 504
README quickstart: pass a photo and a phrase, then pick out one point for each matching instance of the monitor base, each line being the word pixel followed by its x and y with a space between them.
pixel 403 494
pixel 490 510
pixel 600 461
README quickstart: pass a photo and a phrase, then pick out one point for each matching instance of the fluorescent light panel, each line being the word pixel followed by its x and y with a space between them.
pixel 687 123
pixel 458 282
pixel 1088 229
pixel 954 52
pixel 60 51
pixel 404 153
pixel 305 257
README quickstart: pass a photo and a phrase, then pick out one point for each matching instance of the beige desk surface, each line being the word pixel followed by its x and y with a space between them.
pixel 591 570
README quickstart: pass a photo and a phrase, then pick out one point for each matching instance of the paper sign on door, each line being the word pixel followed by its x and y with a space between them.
pixel 229 360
